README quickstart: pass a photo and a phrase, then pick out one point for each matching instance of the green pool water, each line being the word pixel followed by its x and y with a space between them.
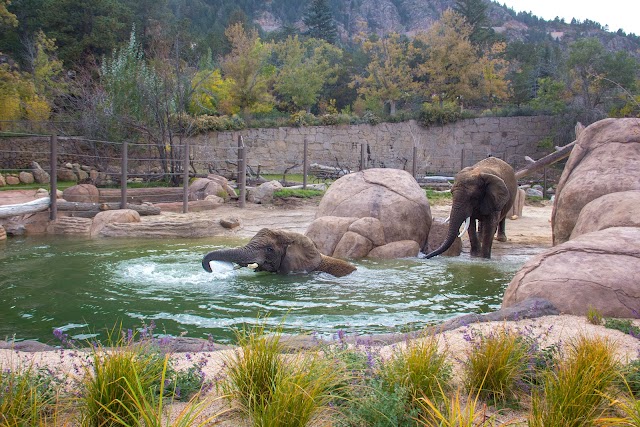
pixel 84 287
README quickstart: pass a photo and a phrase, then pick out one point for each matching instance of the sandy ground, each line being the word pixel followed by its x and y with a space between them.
pixel 530 233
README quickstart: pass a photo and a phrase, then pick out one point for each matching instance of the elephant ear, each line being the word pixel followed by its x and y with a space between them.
pixel 301 255
pixel 496 194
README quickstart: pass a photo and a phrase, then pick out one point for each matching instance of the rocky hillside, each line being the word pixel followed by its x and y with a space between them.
pixel 410 16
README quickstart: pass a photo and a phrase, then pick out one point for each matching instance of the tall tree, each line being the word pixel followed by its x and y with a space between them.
pixel 83 29
pixel 475 13
pixel 598 73
pixel 305 67
pixel 319 22
pixel 388 76
pixel 450 64
pixel 493 83
pixel 246 65
pixel 7 18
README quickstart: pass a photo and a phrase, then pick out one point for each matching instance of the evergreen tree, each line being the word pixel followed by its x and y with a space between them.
pixel 475 13
pixel 319 22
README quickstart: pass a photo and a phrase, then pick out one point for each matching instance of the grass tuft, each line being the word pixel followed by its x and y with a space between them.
pixel 275 392
pixel 420 368
pixel 27 397
pixel 108 381
pixel 496 365
pixel 573 394
pixel 593 316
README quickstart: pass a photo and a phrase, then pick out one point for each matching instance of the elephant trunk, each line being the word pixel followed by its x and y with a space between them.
pixel 237 255
pixel 456 220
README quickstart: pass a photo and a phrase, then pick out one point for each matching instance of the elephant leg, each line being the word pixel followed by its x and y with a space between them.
pixel 502 235
pixel 473 238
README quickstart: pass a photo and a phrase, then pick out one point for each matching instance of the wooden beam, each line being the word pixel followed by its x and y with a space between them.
pixel 561 153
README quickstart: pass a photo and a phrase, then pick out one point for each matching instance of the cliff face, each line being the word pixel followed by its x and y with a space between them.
pixel 408 17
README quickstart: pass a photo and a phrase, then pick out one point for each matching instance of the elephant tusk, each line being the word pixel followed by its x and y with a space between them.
pixel 446 220
pixel 466 226
pixel 253 265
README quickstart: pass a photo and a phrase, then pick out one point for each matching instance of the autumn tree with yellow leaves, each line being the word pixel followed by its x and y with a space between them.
pixel 388 76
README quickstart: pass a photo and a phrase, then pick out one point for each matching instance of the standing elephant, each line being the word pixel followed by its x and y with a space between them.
pixel 483 192
pixel 282 252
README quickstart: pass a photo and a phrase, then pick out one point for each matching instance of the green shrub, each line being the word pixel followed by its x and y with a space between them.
pixel 302 118
pixel 573 393
pixel 496 364
pixel 623 325
pixel 431 114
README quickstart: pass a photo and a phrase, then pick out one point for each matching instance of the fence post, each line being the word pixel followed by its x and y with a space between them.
pixel 185 179
pixel 362 156
pixel 415 162
pixel 242 171
pixel 124 175
pixel 53 159
pixel 462 159
pixel 305 164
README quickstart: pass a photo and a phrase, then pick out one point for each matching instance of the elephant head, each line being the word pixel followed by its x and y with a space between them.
pixel 280 251
pixel 484 192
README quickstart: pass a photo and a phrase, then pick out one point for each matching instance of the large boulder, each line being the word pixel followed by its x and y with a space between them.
pixel 40 175
pixel 599 270
pixel 66 174
pixel 2 181
pixel 82 193
pixel 12 180
pixel 605 159
pixel 621 209
pixel 26 177
pixel 368 209
pixel 119 216
pixel 212 185
pixel 264 192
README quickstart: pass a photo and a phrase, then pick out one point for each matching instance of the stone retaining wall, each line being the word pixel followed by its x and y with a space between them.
pixel 440 149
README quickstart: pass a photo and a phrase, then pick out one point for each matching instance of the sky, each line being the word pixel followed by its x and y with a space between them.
pixel 616 14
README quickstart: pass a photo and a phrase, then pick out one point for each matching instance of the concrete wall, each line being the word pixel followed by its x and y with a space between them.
pixel 440 149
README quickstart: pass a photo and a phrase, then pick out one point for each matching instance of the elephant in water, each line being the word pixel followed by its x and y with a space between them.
pixel 484 192
pixel 280 251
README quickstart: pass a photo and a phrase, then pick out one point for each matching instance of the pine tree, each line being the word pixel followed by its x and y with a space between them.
pixel 475 13
pixel 319 22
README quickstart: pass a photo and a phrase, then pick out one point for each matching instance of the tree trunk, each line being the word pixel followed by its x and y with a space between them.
pixel 33 206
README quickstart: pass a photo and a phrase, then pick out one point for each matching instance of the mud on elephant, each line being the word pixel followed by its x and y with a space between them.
pixel 280 251
pixel 484 192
